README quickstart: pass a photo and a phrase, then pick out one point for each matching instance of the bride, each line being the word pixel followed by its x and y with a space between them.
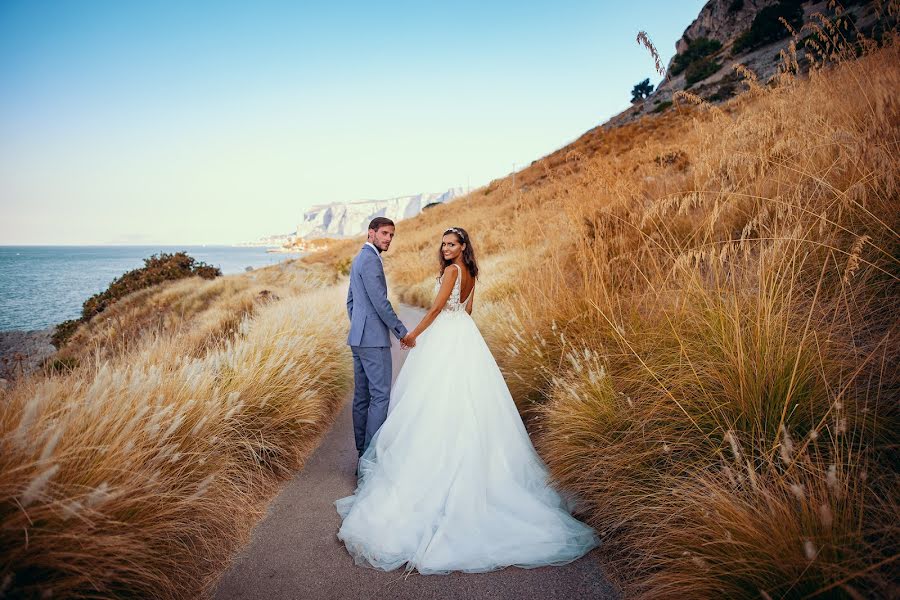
pixel 451 481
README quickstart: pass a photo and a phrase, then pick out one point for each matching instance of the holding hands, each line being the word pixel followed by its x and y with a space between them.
pixel 408 341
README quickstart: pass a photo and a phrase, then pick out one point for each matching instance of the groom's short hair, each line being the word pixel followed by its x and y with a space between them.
pixel 379 222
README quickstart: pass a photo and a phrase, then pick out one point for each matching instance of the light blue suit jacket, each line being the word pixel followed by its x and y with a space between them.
pixel 371 315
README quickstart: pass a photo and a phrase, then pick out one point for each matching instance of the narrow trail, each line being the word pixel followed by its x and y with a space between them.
pixel 294 551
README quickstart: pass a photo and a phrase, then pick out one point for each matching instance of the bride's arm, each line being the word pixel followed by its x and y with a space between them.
pixel 440 300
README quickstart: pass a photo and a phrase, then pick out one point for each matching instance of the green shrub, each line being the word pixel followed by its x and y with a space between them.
pixel 641 90
pixel 64 331
pixel 62 365
pixel 700 70
pixel 156 269
pixel 662 106
pixel 696 50
pixel 343 265
pixel 724 92
pixel 767 27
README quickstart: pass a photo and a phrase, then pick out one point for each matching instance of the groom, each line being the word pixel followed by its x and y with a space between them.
pixel 371 316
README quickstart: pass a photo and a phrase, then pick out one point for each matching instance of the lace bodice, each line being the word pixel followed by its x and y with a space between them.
pixel 453 304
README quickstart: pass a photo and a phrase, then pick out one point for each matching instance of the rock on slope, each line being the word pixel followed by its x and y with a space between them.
pixel 725 21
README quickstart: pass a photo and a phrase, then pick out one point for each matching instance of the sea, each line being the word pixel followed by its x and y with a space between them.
pixel 41 286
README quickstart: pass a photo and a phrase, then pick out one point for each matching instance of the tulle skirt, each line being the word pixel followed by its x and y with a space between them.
pixel 451 481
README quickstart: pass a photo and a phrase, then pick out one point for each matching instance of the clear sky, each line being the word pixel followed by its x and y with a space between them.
pixel 217 122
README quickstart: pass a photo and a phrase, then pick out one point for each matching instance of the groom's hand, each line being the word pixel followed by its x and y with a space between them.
pixel 407 341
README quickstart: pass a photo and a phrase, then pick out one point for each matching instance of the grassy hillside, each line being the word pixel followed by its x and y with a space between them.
pixel 141 465
pixel 697 313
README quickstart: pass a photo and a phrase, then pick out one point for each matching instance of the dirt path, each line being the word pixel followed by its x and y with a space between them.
pixel 294 552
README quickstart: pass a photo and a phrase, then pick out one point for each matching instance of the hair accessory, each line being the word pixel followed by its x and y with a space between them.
pixel 456 231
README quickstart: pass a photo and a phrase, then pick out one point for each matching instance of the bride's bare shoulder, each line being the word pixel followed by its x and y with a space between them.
pixel 448 273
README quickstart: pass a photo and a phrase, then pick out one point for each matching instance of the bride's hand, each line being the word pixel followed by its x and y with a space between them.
pixel 407 342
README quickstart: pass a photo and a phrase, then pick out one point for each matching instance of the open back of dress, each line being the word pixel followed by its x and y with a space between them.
pixel 451 481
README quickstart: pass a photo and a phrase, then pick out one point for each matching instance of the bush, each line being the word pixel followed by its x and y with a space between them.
pixel 700 70
pixel 156 269
pixel 728 87
pixel 696 50
pixel 62 365
pixel 64 331
pixel 662 106
pixel 342 266
pixel 767 27
pixel 729 90
pixel 641 90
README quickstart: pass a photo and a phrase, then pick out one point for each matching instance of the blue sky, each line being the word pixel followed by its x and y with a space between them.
pixel 217 122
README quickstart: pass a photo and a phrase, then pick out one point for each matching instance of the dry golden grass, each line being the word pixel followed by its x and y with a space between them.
pixel 732 412
pixel 697 313
pixel 140 472
pixel 201 312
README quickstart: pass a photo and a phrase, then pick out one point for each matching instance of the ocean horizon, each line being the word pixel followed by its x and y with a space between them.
pixel 44 285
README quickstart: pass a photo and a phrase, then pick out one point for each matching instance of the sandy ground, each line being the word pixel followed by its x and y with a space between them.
pixel 294 551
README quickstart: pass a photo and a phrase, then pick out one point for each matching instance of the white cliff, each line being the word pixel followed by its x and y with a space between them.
pixel 346 219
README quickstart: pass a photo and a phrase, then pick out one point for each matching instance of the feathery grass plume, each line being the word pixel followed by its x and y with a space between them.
pixel 786 447
pixel 691 98
pixel 36 487
pixel 644 40
pixel 163 454
pixel 748 77
pixel 50 445
pixel 853 259
pixel 787 26
pixel 19 437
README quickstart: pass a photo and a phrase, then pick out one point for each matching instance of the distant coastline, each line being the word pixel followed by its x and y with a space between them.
pixel 43 285
pixel 283 250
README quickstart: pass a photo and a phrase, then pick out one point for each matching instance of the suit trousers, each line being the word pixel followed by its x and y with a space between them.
pixel 371 392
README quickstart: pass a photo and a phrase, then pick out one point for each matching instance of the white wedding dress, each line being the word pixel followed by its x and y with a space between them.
pixel 451 481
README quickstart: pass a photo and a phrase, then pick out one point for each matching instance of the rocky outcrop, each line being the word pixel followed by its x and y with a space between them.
pixel 721 20
pixel 346 219
pixel 725 21
pixel 22 352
